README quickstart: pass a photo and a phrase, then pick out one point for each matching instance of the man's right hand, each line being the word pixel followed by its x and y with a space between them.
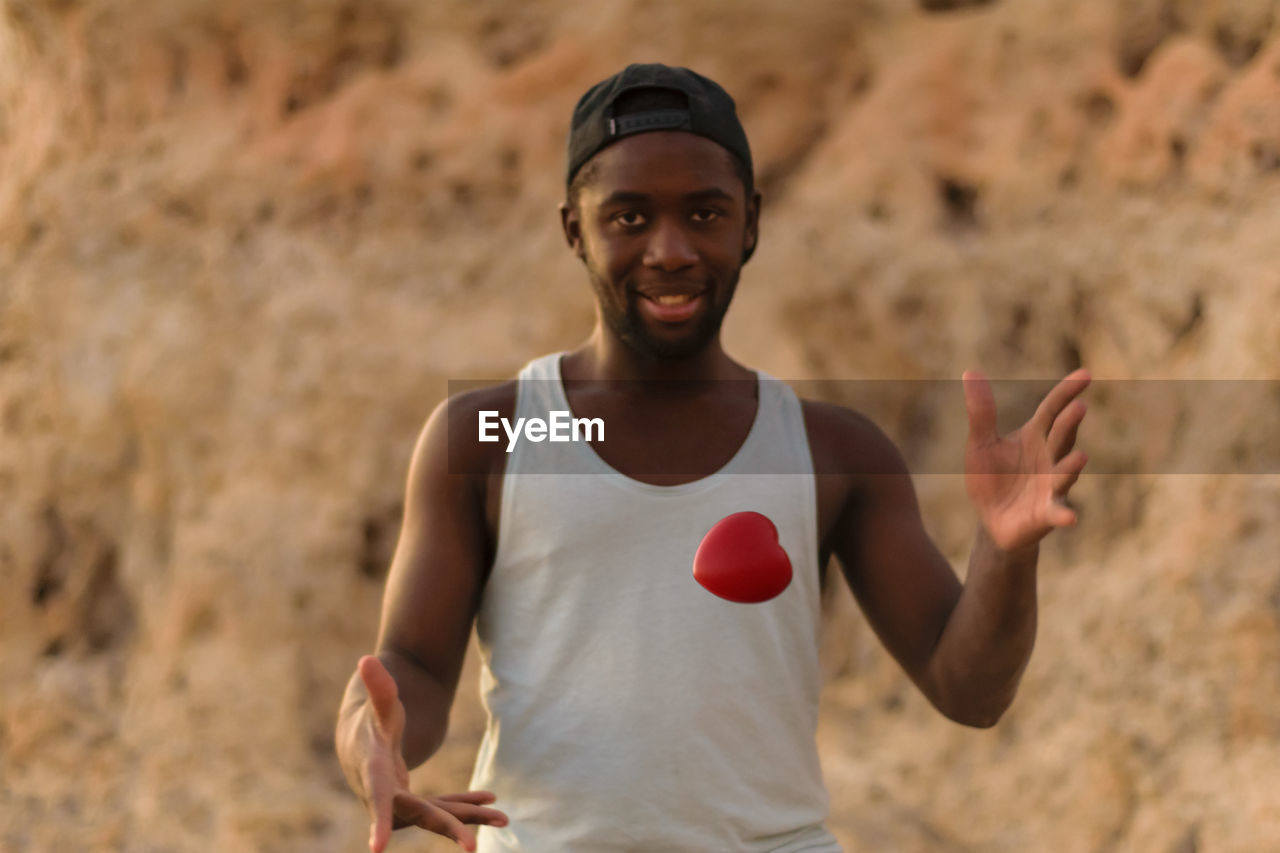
pixel 381 778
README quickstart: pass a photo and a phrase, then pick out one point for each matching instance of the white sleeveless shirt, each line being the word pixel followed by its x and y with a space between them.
pixel 628 708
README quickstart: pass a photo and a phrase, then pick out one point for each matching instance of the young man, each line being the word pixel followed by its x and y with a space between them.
pixel 629 708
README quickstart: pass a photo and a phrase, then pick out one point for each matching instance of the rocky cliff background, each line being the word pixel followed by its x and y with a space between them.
pixel 244 246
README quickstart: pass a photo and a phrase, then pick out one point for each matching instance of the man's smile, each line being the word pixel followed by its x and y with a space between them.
pixel 671 306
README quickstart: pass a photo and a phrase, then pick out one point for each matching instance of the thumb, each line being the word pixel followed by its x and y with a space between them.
pixel 383 694
pixel 981 405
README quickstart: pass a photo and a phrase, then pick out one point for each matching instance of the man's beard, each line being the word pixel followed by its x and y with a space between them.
pixel 625 321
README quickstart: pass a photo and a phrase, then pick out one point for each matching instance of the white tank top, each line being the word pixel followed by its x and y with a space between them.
pixel 628 708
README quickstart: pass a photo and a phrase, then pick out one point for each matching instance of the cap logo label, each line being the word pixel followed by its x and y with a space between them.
pixel 655 120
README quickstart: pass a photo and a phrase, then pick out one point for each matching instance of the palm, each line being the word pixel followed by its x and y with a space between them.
pixel 386 776
pixel 1018 483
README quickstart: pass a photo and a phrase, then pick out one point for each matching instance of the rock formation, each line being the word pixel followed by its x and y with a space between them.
pixel 244 247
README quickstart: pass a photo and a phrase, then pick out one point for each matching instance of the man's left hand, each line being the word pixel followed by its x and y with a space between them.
pixel 1018 483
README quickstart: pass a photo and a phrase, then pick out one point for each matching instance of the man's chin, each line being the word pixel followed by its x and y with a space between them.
pixel 669 341
pixel 671 347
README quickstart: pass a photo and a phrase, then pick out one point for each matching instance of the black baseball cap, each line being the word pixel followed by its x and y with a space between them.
pixel 710 112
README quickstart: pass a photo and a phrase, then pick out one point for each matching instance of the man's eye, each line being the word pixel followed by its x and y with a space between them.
pixel 630 218
pixel 706 214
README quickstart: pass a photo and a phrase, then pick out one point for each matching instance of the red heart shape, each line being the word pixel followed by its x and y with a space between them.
pixel 740 559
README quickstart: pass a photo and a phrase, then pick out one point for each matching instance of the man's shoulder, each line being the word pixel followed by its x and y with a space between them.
pixel 456 424
pixel 467 405
pixel 845 441
pixel 464 405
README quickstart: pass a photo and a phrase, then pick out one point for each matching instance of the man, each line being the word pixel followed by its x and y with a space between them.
pixel 629 708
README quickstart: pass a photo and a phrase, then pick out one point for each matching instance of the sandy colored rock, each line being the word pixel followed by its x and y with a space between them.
pixel 245 247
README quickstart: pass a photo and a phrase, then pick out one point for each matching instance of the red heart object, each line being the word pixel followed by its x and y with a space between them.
pixel 740 559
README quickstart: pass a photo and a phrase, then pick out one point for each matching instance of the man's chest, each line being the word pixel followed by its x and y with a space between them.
pixel 672 441
pixel 671 437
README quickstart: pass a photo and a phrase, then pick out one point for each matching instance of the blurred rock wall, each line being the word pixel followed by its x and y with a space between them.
pixel 244 246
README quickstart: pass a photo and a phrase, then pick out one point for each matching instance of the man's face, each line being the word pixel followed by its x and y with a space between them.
pixel 663 227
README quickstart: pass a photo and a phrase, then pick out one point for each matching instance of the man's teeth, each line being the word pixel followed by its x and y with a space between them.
pixel 676 299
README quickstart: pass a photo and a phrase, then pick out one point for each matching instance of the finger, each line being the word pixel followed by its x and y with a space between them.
pixel 1058 398
pixel 433 819
pixel 981 405
pixel 477 797
pixel 1061 515
pixel 1067 471
pixel 1062 483
pixel 383 694
pixel 467 813
pixel 1065 474
pixel 1062 435
pixel 381 795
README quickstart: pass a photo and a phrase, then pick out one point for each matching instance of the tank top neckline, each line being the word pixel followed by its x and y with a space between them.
pixel 603 468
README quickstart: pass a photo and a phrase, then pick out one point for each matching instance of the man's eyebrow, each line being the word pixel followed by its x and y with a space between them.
pixel 633 197
pixel 625 197
pixel 709 194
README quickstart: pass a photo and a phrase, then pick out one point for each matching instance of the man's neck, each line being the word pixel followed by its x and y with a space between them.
pixel 604 357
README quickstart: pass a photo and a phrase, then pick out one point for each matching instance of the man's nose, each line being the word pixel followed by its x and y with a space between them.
pixel 669 248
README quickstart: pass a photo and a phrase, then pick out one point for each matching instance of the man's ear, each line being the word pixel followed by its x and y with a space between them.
pixel 571 224
pixel 751 234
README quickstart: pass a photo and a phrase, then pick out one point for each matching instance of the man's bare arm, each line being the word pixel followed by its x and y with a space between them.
pixel 983 651
pixel 396 708
pixel 905 586
pixel 965 646
pixel 432 591
pixel 1018 486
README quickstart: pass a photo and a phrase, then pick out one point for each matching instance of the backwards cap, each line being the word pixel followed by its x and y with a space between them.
pixel 709 112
